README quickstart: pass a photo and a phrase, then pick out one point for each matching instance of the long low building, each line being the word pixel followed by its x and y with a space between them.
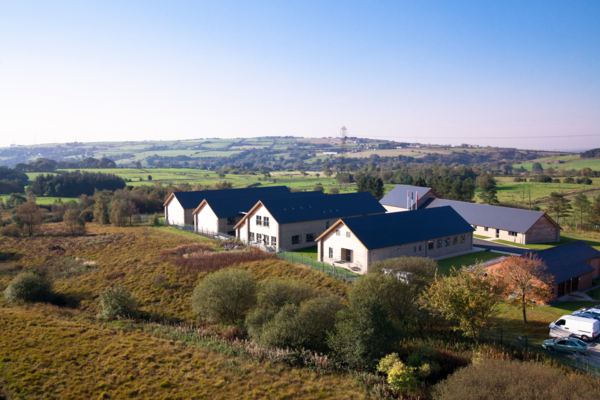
pixel 180 206
pixel 294 223
pixel 405 198
pixel 358 242
pixel 505 223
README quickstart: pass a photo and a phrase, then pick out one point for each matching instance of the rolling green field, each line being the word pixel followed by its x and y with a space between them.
pixel 572 161
pixel 43 200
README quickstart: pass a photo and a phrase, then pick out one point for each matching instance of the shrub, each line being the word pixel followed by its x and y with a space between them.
pixel 334 190
pixel 224 296
pixel 276 293
pixel 154 220
pixel 400 376
pixel 518 179
pixel 301 327
pixel 10 230
pixel 569 180
pixel 118 302
pixel 543 178
pixel 363 334
pixel 508 380
pixel 29 287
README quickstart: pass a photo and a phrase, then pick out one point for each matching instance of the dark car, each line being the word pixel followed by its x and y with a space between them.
pixel 566 344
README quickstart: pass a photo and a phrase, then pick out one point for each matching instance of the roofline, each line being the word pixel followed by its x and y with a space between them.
pixel 248 213
pixel 169 199
pixel 340 221
pixel 197 209
pixel 551 220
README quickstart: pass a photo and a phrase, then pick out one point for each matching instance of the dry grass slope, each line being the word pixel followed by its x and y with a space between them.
pixel 49 353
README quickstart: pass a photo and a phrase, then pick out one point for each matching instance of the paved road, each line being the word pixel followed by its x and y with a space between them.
pixel 493 246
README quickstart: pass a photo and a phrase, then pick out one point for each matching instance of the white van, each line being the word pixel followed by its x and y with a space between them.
pixel 571 325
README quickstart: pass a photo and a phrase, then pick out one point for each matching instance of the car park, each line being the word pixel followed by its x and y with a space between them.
pixel 566 344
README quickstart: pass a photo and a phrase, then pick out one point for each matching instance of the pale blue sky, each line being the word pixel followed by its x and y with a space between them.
pixel 496 72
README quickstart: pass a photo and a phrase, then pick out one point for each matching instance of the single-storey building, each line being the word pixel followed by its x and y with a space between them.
pixel 358 242
pixel 180 206
pixel 404 198
pixel 294 223
pixel 222 214
pixel 511 224
pixel 572 266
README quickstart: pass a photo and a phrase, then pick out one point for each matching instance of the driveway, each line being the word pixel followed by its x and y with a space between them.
pixel 493 246
pixel 593 348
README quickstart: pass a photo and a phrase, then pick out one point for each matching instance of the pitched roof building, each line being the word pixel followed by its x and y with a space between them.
pixel 294 222
pixel 358 242
pixel 404 198
pixel 179 206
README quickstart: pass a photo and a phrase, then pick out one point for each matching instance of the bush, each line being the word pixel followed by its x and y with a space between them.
pixel 118 302
pixel 224 296
pixel 508 380
pixel 154 220
pixel 74 222
pixel 10 230
pixel 363 334
pixel 518 179
pixel 29 287
pixel 584 181
pixel 301 327
pixel 543 178
pixel 569 180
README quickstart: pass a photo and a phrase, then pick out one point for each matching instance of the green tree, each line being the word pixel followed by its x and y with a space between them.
pixel 375 187
pixel 468 190
pixel 488 193
pixel 363 334
pixel 594 213
pixel 138 164
pixel 456 191
pixel 361 185
pixel 469 297
pixel 537 167
pixel 581 206
pixel 101 211
pixel 559 205
pixel 118 212
pixel 327 171
pixel 74 222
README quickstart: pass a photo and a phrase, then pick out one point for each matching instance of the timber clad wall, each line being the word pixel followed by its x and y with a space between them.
pixel 595 263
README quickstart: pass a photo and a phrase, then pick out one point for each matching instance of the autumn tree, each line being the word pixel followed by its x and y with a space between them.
pixel 581 206
pixel 525 281
pixel 30 216
pixel 467 296
pixel 101 211
pixel 74 222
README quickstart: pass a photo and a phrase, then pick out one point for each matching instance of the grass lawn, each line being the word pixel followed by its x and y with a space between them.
pixel 480 237
pixel 594 294
pixel 444 266
pixel 311 252
pixel 44 200
pixel 308 259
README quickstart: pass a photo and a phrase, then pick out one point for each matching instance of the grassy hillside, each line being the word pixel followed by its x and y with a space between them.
pixel 568 162
pixel 51 352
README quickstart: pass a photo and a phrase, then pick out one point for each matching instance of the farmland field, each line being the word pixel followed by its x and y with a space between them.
pixel 569 162
pixel 509 191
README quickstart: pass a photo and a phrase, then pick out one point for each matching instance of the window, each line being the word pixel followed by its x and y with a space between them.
pixel 230 220
pixel 330 252
pixel 327 224
pixel 511 233
pixel 455 240
pixel 430 245
pixel 258 238
pixel 258 220
pixel 252 236
pixel 337 233
pixel 462 238
pixel 439 243
pixel 310 237
pixel 296 239
pixel 446 242
pixel 348 234
pixel 266 221
pixel 561 322
pixel 266 240
pixel 474 227
pixel 419 247
pixel 485 228
pixel 415 249
pixel 273 241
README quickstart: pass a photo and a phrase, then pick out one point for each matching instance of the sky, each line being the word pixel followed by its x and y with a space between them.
pixel 500 73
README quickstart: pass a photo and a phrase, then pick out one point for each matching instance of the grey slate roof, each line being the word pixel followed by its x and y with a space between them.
pixel 293 209
pixel 234 206
pixel 397 196
pixel 567 261
pixel 505 218
pixel 395 229
pixel 193 199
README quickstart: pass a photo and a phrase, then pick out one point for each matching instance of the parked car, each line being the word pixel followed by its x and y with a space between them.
pixel 593 310
pixel 586 314
pixel 566 344
pixel 572 325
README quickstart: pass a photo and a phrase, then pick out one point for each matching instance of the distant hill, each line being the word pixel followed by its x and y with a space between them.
pixel 594 153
